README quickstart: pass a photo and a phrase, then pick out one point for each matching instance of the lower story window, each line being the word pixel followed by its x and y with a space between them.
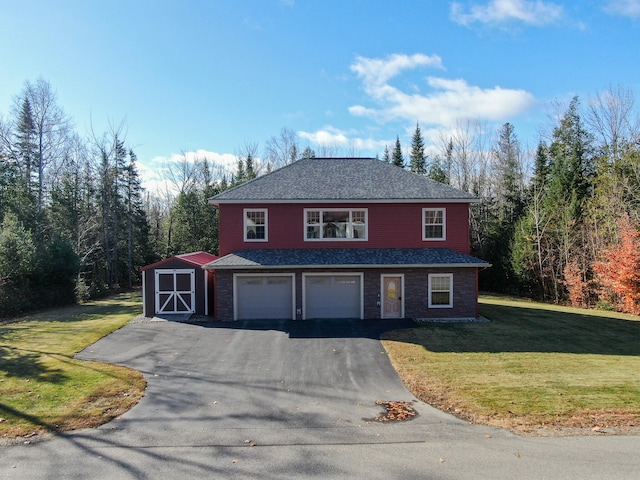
pixel 440 290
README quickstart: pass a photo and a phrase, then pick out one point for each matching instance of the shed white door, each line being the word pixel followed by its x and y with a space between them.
pixel 264 297
pixel 175 290
pixel 333 296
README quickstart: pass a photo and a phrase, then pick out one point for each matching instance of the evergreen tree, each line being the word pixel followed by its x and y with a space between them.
pixel 26 152
pixel 386 156
pixel 541 169
pixel 502 212
pixel 397 158
pixel 250 172
pixel 308 153
pixel 26 144
pixel 240 175
pixel 418 159
pixel 436 172
pixel 508 177
pixel 17 253
pixel 139 252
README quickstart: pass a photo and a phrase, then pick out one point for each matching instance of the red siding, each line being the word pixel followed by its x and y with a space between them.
pixel 390 226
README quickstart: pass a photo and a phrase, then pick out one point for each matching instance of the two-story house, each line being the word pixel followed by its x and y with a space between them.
pixel 344 238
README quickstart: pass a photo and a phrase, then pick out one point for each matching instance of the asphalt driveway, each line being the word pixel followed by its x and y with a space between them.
pixel 290 400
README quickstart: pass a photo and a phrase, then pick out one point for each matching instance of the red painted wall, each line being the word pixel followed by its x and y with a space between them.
pixel 390 226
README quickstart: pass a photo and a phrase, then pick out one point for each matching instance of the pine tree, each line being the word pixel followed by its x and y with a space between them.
pixel 508 177
pixel 418 159
pixel 250 172
pixel 397 158
pixel 386 156
pixel 241 174
pixel 541 169
pixel 308 153
pixel 436 172
pixel 24 199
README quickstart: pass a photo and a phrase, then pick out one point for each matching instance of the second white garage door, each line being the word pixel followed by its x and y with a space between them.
pixel 264 297
pixel 333 296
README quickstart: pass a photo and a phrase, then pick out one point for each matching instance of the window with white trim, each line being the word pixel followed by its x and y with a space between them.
pixel 441 290
pixel 434 224
pixel 255 225
pixel 335 224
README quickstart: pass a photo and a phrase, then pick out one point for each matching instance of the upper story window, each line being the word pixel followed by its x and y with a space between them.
pixel 255 225
pixel 434 224
pixel 335 224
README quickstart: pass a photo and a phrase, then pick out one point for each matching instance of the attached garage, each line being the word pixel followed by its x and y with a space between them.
pixel 259 296
pixel 178 285
pixel 333 295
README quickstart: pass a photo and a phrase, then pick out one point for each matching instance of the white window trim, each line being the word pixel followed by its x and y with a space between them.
pixel 450 276
pixel 444 224
pixel 350 210
pixel 266 224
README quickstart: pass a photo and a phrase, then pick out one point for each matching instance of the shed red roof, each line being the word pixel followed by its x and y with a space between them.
pixel 195 258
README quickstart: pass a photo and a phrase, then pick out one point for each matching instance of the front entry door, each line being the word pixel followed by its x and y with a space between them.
pixel 392 303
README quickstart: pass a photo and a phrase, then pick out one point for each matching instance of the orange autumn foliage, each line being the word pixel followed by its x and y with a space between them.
pixel 576 285
pixel 618 270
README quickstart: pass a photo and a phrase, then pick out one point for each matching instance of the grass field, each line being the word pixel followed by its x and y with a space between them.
pixel 44 388
pixel 533 368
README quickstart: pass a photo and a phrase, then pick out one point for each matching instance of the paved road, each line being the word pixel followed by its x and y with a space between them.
pixel 285 400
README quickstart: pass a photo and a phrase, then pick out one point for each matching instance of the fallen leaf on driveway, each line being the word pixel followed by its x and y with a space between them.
pixel 396 411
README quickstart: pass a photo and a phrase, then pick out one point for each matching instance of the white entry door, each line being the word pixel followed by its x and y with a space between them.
pixel 392 303
pixel 175 291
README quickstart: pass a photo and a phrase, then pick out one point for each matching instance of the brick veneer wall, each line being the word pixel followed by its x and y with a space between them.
pixel 416 291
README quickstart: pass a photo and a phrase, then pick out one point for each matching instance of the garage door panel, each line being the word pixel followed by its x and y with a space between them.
pixel 264 297
pixel 332 296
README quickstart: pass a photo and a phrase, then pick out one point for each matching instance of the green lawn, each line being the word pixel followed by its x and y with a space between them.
pixel 44 388
pixel 534 366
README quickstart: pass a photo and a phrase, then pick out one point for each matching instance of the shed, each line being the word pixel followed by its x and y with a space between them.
pixel 178 284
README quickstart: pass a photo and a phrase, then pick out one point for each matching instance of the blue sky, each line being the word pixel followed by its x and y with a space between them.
pixel 209 76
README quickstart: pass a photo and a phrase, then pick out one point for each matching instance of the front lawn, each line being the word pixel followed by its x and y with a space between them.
pixel 44 388
pixel 534 368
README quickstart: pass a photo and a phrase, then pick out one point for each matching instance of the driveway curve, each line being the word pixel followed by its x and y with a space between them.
pixel 285 399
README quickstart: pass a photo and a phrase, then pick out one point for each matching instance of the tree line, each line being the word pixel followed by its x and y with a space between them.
pixel 74 224
pixel 558 221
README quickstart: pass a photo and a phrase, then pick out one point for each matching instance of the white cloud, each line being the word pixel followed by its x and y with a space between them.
pixel 338 142
pixel 326 136
pixel 536 12
pixel 376 72
pixel 627 8
pixel 447 101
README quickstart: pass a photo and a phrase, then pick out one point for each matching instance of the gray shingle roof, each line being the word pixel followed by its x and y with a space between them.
pixel 345 257
pixel 341 179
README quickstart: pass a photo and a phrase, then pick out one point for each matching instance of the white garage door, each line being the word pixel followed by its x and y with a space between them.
pixel 263 297
pixel 333 296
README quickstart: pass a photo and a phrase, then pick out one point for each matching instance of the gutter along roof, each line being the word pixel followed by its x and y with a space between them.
pixel 341 180
pixel 345 258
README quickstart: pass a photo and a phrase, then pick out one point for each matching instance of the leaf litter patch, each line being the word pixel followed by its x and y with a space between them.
pixel 395 411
